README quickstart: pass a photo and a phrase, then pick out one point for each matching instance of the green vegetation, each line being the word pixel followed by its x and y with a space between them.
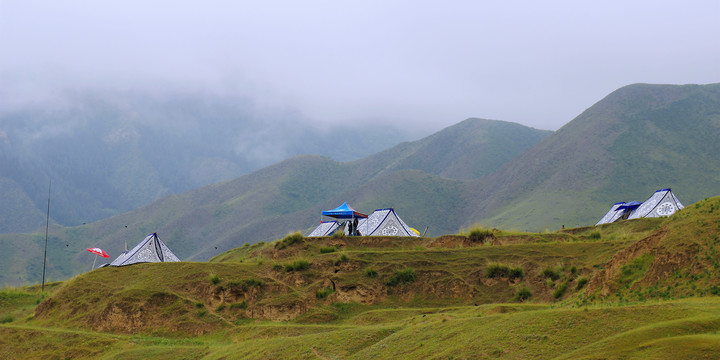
pixel 327 249
pixel 402 276
pixel 504 271
pixel 654 283
pixel 289 240
pixel 297 265
pixel 323 293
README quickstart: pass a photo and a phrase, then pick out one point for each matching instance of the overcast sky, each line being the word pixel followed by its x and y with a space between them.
pixel 425 64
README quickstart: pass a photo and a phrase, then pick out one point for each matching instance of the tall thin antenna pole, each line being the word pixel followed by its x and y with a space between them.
pixel 47 224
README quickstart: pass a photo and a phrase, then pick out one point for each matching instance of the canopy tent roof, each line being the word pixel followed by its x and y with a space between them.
pixel 343 211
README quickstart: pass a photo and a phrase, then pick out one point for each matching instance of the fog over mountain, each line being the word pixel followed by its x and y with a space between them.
pixel 109 152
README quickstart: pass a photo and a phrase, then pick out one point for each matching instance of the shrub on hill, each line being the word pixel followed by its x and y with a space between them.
pixel 371 273
pixel 323 293
pixel 288 240
pixel 403 276
pixel 523 293
pixel 504 271
pixel 327 249
pixel 479 234
pixel 297 265
pixel 552 274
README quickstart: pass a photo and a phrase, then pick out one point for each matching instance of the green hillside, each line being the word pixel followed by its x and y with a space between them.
pixel 109 153
pixel 635 141
pixel 642 288
pixel 638 139
pixel 285 197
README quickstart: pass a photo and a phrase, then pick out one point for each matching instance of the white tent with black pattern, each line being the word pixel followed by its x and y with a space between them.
pixel 662 203
pixel 386 222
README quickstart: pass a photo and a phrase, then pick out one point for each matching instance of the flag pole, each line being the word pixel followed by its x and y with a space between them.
pixel 47 224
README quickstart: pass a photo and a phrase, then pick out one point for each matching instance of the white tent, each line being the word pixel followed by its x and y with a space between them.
pixel 385 222
pixel 611 215
pixel 662 203
pixel 325 228
pixel 151 249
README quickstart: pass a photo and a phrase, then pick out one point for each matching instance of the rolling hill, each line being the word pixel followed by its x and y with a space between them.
pixel 288 196
pixel 645 288
pixel 636 140
pixel 112 152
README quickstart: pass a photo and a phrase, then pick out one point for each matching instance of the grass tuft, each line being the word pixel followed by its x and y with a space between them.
pixel 403 276
pixel 504 271
pixel 297 265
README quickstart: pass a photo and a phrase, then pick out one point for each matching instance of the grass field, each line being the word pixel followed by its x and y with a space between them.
pixel 635 289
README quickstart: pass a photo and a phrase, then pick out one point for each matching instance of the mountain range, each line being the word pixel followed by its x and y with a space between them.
pixel 638 139
pixel 107 153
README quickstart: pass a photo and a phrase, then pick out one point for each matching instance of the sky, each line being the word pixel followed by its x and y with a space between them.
pixel 423 65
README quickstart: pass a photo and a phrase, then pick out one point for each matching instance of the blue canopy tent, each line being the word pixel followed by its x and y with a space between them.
pixel 343 211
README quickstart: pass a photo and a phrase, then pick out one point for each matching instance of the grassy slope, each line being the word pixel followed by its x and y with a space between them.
pixel 451 310
pixel 285 197
pixel 638 139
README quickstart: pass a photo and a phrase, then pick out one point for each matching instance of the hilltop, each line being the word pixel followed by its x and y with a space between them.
pixel 638 139
pixel 287 196
pixel 108 153
pixel 639 288
pixel 501 175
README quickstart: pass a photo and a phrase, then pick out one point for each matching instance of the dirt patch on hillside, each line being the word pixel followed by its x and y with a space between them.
pixel 664 264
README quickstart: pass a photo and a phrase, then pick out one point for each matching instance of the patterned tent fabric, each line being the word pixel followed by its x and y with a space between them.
pixel 151 249
pixel 611 215
pixel 385 222
pixel 662 203
pixel 324 229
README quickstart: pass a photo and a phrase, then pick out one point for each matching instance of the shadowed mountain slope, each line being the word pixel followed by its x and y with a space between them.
pixel 638 139
pixel 289 196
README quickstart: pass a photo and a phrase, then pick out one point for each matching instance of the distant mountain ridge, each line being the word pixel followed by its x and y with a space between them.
pixel 110 153
pixel 636 140
pixel 289 196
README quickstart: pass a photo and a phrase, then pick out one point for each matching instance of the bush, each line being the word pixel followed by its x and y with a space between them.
pixel 504 271
pixel 7 319
pixel 558 293
pixel 220 308
pixel 595 235
pixel 242 305
pixel 214 279
pixel 403 276
pixel 523 293
pixel 581 282
pixel 325 250
pixel 323 293
pixel 343 258
pixel 297 265
pixel 199 305
pixel 277 267
pixel 371 273
pixel 289 240
pixel 553 274
pixel 245 284
pixel 479 234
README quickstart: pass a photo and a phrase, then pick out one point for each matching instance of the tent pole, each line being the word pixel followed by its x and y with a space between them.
pixel 93 267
